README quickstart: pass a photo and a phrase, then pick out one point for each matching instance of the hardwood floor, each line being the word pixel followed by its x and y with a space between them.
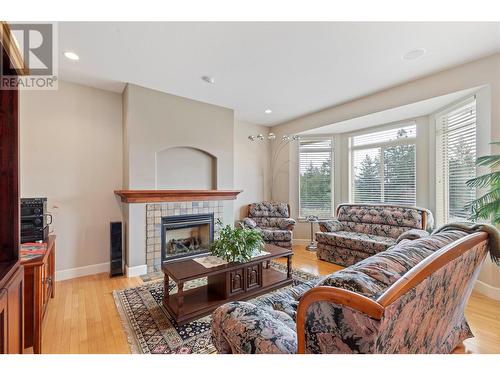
pixel 83 319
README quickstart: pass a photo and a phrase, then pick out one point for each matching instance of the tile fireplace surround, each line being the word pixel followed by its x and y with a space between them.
pixel 154 213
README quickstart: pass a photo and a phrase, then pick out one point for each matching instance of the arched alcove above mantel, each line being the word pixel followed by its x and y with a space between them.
pixel 186 168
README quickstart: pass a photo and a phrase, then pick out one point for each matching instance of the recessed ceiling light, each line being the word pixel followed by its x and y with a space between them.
pixel 71 55
pixel 414 54
pixel 208 79
pixel 268 111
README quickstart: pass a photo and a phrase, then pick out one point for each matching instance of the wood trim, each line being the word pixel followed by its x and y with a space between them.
pixel 143 196
pixel 10 47
pixel 430 265
pixel 424 220
pixel 338 296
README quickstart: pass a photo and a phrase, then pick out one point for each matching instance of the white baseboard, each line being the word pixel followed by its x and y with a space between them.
pixel 92 269
pixel 136 271
pixel 487 290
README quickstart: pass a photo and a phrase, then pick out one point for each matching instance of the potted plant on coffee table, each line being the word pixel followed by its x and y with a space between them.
pixel 237 244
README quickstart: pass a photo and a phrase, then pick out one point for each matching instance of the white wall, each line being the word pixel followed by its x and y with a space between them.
pixel 71 153
pixel 251 167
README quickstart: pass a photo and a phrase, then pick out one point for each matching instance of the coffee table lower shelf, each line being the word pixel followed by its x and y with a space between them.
pixel 201 301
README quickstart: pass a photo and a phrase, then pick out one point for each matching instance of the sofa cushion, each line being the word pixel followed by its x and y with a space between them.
pixel 368 243
pixel 285 300
pixel 383 230
pixel 286 223
pixel 268 222
pixel 412 234
pixel 372 276
pixel 268 209
pixel 381 214
pixel 249 222
pixel 243 328
pixel 330 226
pixel 274 234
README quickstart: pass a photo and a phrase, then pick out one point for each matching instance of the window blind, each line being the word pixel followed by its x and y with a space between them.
pixel 455 161
pixel 383 167
pixel 315 177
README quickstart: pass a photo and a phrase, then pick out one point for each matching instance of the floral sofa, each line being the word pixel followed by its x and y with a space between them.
pixel 362 230
pixel 273 221
pixel 408 299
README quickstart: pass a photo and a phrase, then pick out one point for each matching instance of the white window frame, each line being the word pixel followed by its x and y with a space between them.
pixel 382 145
pixel 331 138
pixel 442 214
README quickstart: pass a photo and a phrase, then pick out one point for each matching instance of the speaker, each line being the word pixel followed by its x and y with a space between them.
pixel 116 257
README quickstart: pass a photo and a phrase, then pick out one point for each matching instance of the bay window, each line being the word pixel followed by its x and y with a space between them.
pixel 315 177
pixel 383 166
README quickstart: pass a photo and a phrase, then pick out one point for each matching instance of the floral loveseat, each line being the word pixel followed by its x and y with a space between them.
pixel 362 230
pixel 408 299
pixel 273 221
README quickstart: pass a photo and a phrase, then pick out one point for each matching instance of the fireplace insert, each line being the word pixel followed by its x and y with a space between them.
pixel 185 236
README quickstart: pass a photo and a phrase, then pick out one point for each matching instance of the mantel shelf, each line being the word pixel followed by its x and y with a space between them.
pixel 145 196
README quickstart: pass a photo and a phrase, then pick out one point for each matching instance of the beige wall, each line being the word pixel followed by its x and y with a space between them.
pixel 155 121
pixel 484 72
pixel 251 167
pixel 198 171
pixel 71 153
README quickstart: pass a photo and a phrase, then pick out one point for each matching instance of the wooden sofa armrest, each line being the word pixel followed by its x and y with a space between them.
pixel 337 296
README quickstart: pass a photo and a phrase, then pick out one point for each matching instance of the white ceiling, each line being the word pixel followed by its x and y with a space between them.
pixel 405 112
pixel 291 68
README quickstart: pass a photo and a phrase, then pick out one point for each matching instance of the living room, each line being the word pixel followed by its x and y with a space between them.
pixel 255 188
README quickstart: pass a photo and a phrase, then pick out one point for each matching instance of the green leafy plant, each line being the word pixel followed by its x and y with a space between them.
pixel 236 244
pixel 487 206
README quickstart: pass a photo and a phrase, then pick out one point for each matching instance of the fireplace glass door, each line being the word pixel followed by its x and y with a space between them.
pixel 186 236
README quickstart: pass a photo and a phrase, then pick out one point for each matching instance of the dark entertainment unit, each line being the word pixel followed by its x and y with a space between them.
pixel 11 271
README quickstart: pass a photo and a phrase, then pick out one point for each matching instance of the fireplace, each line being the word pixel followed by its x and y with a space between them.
pixel 185 236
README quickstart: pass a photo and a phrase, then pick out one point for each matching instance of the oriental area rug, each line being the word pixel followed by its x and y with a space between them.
pixel 151 330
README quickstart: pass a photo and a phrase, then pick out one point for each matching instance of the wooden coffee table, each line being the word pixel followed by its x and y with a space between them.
pixel 229 282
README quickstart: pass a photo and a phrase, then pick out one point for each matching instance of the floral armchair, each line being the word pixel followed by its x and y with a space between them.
pixel 273 221
pixel 362 230
pixel 408 299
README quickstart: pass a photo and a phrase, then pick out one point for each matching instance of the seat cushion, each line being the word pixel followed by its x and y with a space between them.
pixel 367 243
pixel 285 300
pixel 372 276
pixel 274 234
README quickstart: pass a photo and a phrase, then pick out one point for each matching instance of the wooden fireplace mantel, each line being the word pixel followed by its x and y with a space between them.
pixel 145 196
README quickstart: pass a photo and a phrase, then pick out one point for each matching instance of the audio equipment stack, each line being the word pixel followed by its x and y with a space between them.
pixel 34 226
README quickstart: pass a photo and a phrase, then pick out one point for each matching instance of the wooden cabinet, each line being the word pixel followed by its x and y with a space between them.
pixel 237 281
pixel 39 288
pixel 254 276
pixel 11 312
pixel 3 321
pixel 15 307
